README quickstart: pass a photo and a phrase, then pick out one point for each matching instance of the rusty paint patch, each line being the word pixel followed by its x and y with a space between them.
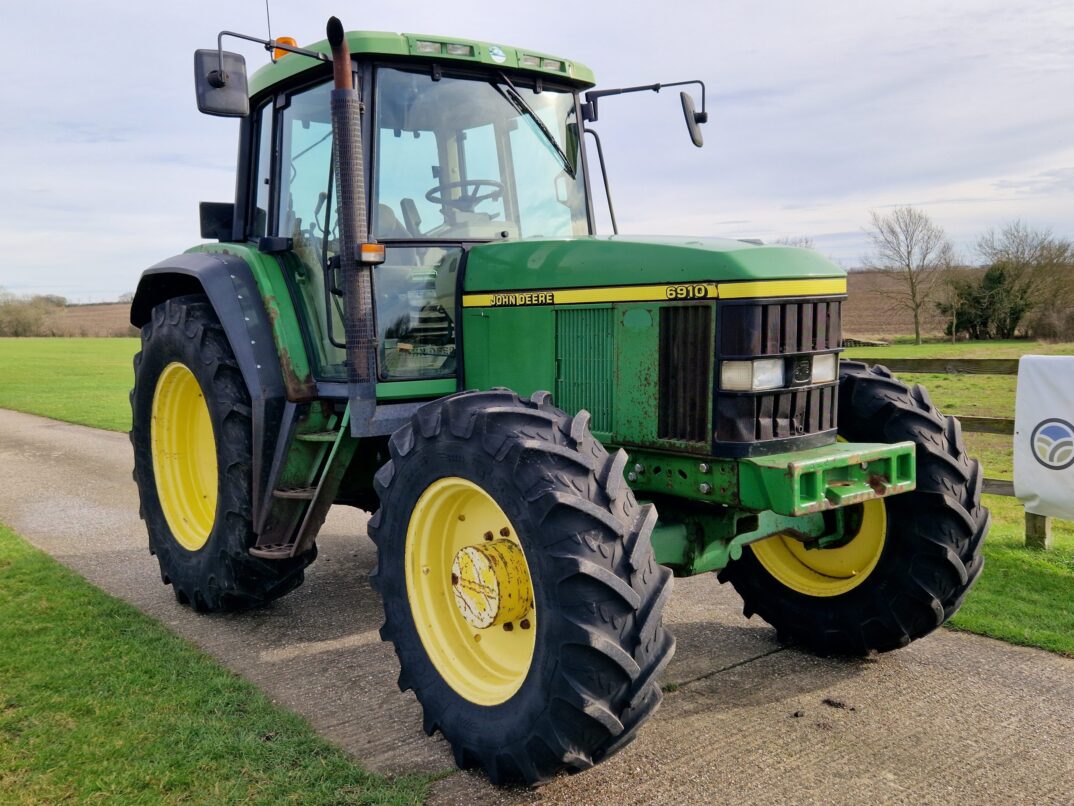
pixel 299 388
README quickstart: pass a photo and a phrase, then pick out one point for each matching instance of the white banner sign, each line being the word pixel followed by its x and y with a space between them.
pixel 1044 435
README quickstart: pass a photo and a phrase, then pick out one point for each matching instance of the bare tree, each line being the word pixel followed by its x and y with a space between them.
pixel 1034 259
pixel 908 244
pixel 1022 248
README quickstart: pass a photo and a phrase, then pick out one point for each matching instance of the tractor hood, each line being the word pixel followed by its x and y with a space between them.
pixel 542 263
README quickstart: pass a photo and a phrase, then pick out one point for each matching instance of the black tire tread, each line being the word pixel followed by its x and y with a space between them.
pixel 231 579
pixel 588 519
pixel 935 532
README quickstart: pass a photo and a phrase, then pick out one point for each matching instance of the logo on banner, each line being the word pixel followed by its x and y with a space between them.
pixel 1052 442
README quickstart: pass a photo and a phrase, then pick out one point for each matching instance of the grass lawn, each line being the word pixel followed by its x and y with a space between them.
pixel 100 703
pixel 82 381
pixel 1022 596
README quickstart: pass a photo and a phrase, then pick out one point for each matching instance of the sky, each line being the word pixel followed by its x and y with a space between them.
pixel 819 111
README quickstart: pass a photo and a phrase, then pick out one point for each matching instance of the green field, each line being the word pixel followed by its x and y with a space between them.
pixel 100 703
pixel 82 381
pixel 1023 596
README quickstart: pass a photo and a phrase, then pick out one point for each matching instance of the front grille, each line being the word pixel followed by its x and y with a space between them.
pixel 777 328
pixel 685 373
pixel 747 420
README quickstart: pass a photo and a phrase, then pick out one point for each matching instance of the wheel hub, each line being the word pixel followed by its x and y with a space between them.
pixel 470 591
pixel 184 456
pixel 491 584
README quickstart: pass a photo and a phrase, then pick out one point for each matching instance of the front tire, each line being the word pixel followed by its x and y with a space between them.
pixel 915 556
pixel 566 678
pixel 192 462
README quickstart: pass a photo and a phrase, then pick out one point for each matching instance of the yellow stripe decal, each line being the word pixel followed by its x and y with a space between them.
pixel 654 293
pixel 783 288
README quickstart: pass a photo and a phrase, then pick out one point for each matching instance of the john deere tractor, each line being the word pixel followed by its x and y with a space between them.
pixel 407 309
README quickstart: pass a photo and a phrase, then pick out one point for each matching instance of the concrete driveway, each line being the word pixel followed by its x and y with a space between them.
pixel 953 718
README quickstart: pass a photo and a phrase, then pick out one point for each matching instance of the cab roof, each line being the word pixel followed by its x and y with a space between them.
pixel 430 48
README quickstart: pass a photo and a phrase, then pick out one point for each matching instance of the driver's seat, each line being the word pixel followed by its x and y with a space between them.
pixel 387 226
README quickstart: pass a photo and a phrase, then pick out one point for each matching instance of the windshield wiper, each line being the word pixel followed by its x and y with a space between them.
pixel 514 97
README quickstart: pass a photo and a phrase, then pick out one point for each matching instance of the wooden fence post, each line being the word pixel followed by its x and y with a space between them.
pixel 1038 531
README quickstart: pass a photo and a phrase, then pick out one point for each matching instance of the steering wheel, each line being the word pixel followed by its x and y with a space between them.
pixel 469 198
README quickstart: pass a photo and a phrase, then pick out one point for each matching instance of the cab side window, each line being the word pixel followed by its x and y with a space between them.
pixel 306 163
pixel 262 172
pixel 306 213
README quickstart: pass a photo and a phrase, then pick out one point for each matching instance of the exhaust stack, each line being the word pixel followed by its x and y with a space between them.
pixel 360 333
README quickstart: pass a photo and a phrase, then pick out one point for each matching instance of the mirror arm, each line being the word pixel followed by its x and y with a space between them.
pixel 589 108
pixel 218 78
pixel 604 173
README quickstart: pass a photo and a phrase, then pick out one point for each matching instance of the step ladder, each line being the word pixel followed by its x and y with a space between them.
pixel 313 455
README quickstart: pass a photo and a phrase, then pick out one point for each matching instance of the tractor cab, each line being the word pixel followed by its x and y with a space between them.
pixel 463 143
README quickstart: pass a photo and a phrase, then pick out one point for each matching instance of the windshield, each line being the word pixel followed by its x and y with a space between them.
pixel 460 159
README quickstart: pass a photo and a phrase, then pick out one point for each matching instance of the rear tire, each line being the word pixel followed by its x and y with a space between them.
pixel 598 642
pixel 213 570
pixel 932 552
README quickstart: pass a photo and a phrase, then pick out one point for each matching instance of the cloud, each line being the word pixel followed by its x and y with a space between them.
pixel 1043 183
pixel 819 112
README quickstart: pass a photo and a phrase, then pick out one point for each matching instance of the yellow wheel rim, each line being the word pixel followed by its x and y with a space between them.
pixel 827 572
pixel 470 592
pixel 184 456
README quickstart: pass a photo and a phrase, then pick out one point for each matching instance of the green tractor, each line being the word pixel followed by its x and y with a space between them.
pixel 406 309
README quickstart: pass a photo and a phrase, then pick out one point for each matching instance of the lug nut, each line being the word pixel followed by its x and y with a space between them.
pixel 505 532
pixel 705 488
pixel 508 626
pixel 632 476
pixel 488 535
pixel 703 467
pixel 639 468
pixel 524 624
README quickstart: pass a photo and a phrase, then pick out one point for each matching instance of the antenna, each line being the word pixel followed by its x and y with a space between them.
pixel 268 19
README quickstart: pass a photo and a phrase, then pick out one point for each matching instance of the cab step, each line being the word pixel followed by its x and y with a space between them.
pixel 278 551
pixel 318 436
pixel 296 493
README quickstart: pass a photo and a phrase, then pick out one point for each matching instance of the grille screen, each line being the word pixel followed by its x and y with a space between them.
pixel 777 328
pixel 775 415
pixel 685 372
pixel 584 361
pixel 770 329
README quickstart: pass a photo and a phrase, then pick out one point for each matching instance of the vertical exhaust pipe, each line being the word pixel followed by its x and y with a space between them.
pixel 361 337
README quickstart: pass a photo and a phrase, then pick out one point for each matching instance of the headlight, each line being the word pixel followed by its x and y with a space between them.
pixel 736 375
pixel 745 376
pixel 824 368
pixel 768 373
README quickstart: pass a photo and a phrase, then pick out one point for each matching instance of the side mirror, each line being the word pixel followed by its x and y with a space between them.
pixel 693 119
pixel 220 83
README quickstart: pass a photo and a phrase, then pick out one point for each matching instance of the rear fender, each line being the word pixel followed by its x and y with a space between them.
pixel 229 284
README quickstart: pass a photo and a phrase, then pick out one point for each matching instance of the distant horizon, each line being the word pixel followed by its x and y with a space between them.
pixel 116 301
